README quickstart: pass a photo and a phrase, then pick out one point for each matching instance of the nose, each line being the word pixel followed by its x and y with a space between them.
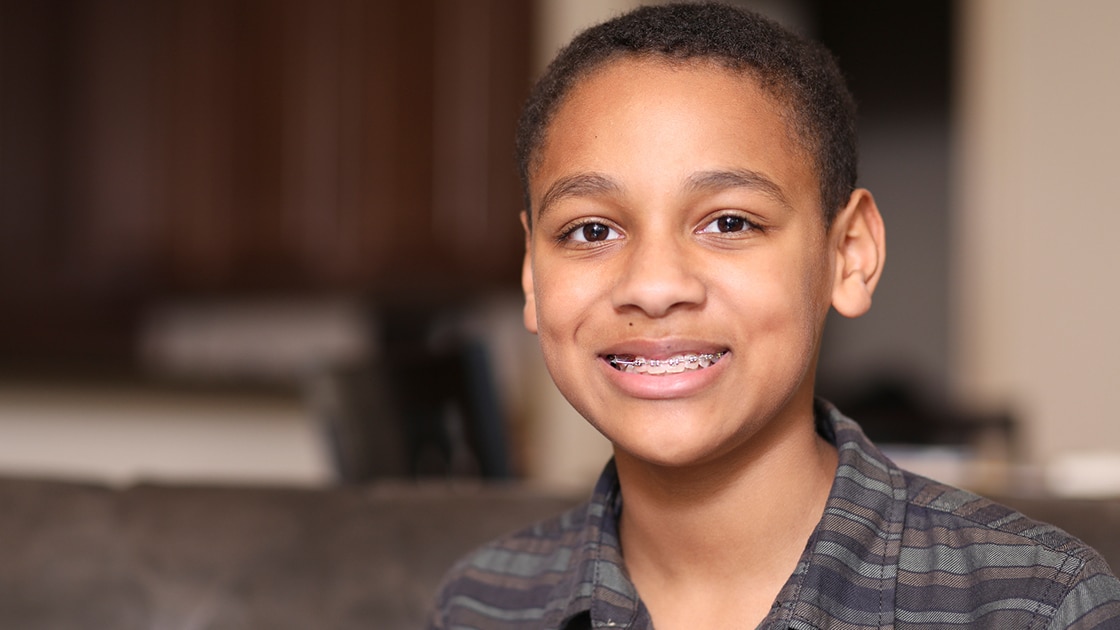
pixel 658 278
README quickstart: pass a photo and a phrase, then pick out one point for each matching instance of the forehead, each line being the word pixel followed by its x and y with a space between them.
pixel 678 116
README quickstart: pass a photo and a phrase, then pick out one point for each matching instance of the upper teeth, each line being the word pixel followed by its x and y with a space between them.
pixel 672 365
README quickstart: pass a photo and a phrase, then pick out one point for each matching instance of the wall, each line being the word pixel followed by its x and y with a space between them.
pixel 1036 296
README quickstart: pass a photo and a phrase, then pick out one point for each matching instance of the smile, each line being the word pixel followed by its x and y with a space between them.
pixel 673 365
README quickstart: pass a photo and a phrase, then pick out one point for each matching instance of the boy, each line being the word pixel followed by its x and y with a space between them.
pixel 691 215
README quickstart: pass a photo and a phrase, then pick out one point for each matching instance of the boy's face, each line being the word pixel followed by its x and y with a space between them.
pixel 675 221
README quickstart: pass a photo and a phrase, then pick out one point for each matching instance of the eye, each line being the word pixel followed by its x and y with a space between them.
pixel 591 232
pixel 729 223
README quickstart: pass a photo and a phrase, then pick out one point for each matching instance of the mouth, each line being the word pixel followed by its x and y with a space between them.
pixel 633 364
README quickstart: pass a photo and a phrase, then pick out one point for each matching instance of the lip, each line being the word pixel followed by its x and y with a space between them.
pixel 664 386
pixel 663 348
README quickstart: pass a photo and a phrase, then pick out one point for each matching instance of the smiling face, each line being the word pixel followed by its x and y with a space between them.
pixel 678 269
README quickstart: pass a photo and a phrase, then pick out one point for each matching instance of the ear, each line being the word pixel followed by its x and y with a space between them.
pixel 859 239
pixel 529 315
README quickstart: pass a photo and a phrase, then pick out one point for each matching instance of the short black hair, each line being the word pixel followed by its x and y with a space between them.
pixel 799 74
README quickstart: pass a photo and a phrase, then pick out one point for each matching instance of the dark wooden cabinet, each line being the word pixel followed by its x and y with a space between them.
pixel 216 147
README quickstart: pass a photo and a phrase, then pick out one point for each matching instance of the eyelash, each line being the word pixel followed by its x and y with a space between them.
pixel 748 227
pixel 565 235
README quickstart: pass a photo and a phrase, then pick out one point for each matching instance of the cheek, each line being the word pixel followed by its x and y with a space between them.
pixel 569 301
pixel 557 323
pixel 563 299
pixel 786 302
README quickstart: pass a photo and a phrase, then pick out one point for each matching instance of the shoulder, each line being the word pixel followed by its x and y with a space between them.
pixel 974 554
pixel 515 578
pixel 945 513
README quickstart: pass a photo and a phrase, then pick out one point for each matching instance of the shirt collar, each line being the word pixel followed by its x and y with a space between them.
pixel 597 579
pixel 850 567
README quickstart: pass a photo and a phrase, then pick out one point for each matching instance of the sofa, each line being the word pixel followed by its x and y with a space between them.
pixel 163 557
pixel 158 557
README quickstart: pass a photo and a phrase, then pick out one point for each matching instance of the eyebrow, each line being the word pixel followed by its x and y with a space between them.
pixel 577 185
pixel 714 181
pixel 597 184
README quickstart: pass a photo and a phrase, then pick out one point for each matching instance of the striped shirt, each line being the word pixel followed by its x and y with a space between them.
pixel 892 549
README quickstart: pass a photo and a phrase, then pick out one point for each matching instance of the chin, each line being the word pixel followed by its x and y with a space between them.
pixel 669 447
pixel 678 456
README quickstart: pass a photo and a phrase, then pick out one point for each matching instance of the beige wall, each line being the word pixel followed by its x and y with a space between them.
pixel 1037 266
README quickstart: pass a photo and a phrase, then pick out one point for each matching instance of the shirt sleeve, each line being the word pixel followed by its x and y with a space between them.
pixel 1092 602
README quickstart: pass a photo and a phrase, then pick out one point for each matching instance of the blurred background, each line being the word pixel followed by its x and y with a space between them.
pixel 276 241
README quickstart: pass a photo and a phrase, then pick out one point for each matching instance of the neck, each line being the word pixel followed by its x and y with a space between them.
pixel 741 520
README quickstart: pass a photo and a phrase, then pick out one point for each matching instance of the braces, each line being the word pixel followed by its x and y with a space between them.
pixel 616 362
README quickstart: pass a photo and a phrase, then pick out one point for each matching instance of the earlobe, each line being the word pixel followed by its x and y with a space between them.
pixel 529 314
pixel 859 239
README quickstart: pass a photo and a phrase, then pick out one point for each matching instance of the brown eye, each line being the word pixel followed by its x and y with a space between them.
pixel 593 232
pixel 731 224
